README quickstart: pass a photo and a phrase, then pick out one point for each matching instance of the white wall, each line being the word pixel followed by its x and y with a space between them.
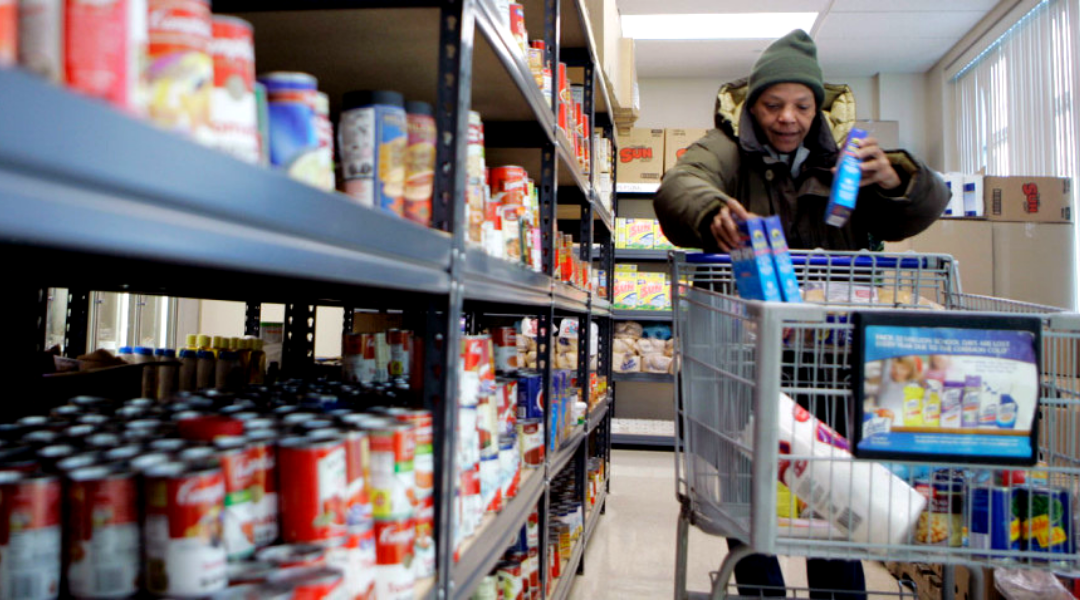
pixel 222 318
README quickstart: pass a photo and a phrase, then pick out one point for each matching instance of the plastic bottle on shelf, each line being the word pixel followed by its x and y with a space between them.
pixel 219 343
pixel 126 354
pixel 203 342
pixel 143 355
pixel 257 362
pixel 167 373
pixel 226 370
pixel 191 342
pixel 205 370
pixel 189 360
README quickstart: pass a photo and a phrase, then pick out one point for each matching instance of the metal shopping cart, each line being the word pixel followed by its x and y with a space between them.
pixel 736 359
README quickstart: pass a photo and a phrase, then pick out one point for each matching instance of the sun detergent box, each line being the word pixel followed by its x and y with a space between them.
pixel 785 271
pixel 845 188
pixel 753 264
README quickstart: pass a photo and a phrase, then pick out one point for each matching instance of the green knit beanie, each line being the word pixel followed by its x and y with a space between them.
pixel 790 59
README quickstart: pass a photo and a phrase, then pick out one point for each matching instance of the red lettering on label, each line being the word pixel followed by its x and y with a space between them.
pixel 631 154
pixel 1031 198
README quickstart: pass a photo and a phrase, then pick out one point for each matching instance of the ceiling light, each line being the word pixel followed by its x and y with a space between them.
pixel 728 26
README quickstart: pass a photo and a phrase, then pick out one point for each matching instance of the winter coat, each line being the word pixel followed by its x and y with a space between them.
pixel 731 162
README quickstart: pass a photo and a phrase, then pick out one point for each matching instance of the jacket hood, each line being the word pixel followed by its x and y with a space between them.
pixel 837 112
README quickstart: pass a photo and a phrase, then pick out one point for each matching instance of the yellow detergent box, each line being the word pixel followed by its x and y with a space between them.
pixel 660 241
pixel 626 291
pixel 620 232
pixel 639 234
pixel 651 291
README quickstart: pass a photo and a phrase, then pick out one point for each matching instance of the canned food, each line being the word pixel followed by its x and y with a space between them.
pixel 530 403
pixel 206 428
pixel 103 441
pixel 78 461
pixel 419 162
pixel 103 548
pixel 312 477
pixel 358 464
pixel 393 480
pixel 1046 523
pixel 488 589
pixel 30 527
pixel 293 555
pixel 506 351
pixel 238 520
pixel 509 466
pixel 508 397
pixel 530 434
pixel 250 572
pixel 424 547
pixel 264 491
pixel 185 553
pixel 181 72
pixel 517 26
pixel 103 47
pixel 294 144
pixel 233 112
pixel 312 583
pixel 41 438
pixel 400 351
pixel 424 457
pixel 356 559
pixel 509 574
pixel 50 455
pixel 394 547
pixel 324 141
pixel 123 453
pixel 995 519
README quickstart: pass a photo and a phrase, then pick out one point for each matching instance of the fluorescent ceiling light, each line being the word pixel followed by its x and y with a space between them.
pixel 727 26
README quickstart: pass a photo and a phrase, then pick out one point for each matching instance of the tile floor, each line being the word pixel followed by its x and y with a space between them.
pixel 632 553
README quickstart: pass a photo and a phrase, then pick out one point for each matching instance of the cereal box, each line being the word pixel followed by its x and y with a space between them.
pixel 639 234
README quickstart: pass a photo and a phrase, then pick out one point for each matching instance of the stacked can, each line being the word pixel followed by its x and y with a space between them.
pixel 9 31
pixel 424 469
pixel 233 110
pixel 506 210
pixel 393 483
pixel 324 140
pixel 475 371
pixel 180 71
pixel 32 550
pixel 373 137
pixel 475 169
pixel 530 419
pixel 419 162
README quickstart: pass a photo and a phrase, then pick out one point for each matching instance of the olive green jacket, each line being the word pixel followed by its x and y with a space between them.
pixel 732 162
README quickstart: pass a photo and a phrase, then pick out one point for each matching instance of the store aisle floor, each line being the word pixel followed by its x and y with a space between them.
pixel 632 554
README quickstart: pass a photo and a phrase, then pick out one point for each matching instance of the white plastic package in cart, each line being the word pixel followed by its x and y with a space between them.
pixel 862 499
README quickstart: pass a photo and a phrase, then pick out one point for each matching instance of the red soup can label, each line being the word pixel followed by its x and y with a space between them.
pixel 424 546
pixel 264 491
pixel 103 534
pixel 29 536
pixel 358 472
pixel 9 43
pixel 239 516
pixel 506 351
pixel 424 457
pixel 394 547
pixel 393 480
pixel 181 71
pixel 419 167
pixel 233 111
pixel 185 550
pixel 312 475
pixel 105 45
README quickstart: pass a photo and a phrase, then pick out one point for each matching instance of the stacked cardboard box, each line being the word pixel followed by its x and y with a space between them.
pixel 640 234
pixel 636 290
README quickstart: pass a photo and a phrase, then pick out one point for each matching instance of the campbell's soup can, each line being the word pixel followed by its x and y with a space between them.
pixel 424 457
pixel 313 583
pixel 358 473
pixel 312 478
pixel 400 342
pixel 181 71
pixel 352 356
pixel 373 137
pixel 509 573
pixel 355 562
pixel 394 547
pixel 41 37
pixel 184 548
pixel 233 111
pixel 292 555
pixel 103 548
pixel 104 50
pixel 508 406
pixel 530 436
pixel 9 31
pixel 30 524
pixel 506 351
pixel 509 466
pixel 425 538
pixel 238 521
pixel 393 480
pixel 508 185
pixel 419 162
pixel 472 498
pixel 262 448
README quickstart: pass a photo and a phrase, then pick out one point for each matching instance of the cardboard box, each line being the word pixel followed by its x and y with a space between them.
pixel 970 242
pixel 955 183
pixel 1038 199
pixel 625 81
pixel 660 241
pixel 1034 262
pixel 640 234
pixel 676 141
pixel 641 156
pixel 620 232
pixel 626 291
pixel 785 271
pixel 973 196
pixel 651 291
pixel 752 264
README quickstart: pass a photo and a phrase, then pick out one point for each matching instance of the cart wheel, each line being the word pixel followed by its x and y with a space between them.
pixel 727 569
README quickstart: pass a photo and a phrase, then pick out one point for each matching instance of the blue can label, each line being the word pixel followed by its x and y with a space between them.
pixel 530 397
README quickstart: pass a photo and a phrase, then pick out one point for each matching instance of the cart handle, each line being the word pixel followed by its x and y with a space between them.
pixel 824 260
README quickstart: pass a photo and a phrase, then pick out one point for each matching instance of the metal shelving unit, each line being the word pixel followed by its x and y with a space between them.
pixel 645 377
pixel 641 315
pixel 631 255
pixel 592 518
pixel 112 203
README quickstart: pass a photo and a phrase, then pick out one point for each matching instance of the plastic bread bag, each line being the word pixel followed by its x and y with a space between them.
pixel 862 499
pixel 630 329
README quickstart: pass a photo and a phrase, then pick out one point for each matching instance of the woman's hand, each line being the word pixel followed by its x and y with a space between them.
pixel 725 226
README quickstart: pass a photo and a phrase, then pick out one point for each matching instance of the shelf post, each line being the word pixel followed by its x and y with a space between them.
pixel 76 322
pixel 252 318
pixel 298 344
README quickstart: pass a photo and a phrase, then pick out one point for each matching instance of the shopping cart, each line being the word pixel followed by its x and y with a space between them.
pixel 736 358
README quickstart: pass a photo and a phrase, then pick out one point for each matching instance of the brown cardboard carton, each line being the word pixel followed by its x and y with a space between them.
pixel 676 141
pixel 625 82
pixel 1034 262
pixel 970 243
pixel 606 27
pixel 1039 199
pixel 641 156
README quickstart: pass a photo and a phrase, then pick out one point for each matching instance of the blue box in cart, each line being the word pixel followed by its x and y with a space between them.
pixel 785 271
pixel 755 276
pixel 530 401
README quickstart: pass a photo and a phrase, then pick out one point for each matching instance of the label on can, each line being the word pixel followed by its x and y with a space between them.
pixel 510 467
pixel 30 538
pixel 185 553
pixel 393 480
pixel 394 547
pixel 366 556
pixel 293 142
pixel 425 538
pixel 346 556
pixel 103 538
pixel 373 140
pixel 356 139
pixel 491 483
pixel 264 492
pixel 390 159
pixel 324 138
pixel 358 471
pixel 509 574
pixel 531 437
pixel 180 72
pixel 506 351
pixel 400 352
pixel 419 168
pixel 9 31
pixel 238 520
pixel 424 456
pixel 233 111
pixel 942 522
pixel 313 488
pixel 508 408
pixel 530 404
pixel 41 37
pixel 105 47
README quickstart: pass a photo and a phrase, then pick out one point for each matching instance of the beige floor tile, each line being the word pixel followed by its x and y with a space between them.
pixel 632 553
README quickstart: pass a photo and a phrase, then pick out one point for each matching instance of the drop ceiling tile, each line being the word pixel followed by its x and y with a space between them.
pixel 853 57
pixel 877 25
pixel 911 5
pixel 651 7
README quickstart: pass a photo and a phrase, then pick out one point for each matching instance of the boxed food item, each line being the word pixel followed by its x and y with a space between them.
pixel 676 141
pixel 955 183
pixel 620 232
pixel 640 234
pixel 785 271
pixel 641 156
pixel 1040 199
pixel 755 277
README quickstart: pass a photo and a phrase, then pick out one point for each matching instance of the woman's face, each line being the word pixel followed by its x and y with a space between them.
pixel 785 112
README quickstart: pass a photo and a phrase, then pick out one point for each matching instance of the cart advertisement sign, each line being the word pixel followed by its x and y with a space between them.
pixel 946 388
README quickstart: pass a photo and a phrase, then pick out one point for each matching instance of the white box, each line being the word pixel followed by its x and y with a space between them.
pixel 955 183
pixel 973 196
